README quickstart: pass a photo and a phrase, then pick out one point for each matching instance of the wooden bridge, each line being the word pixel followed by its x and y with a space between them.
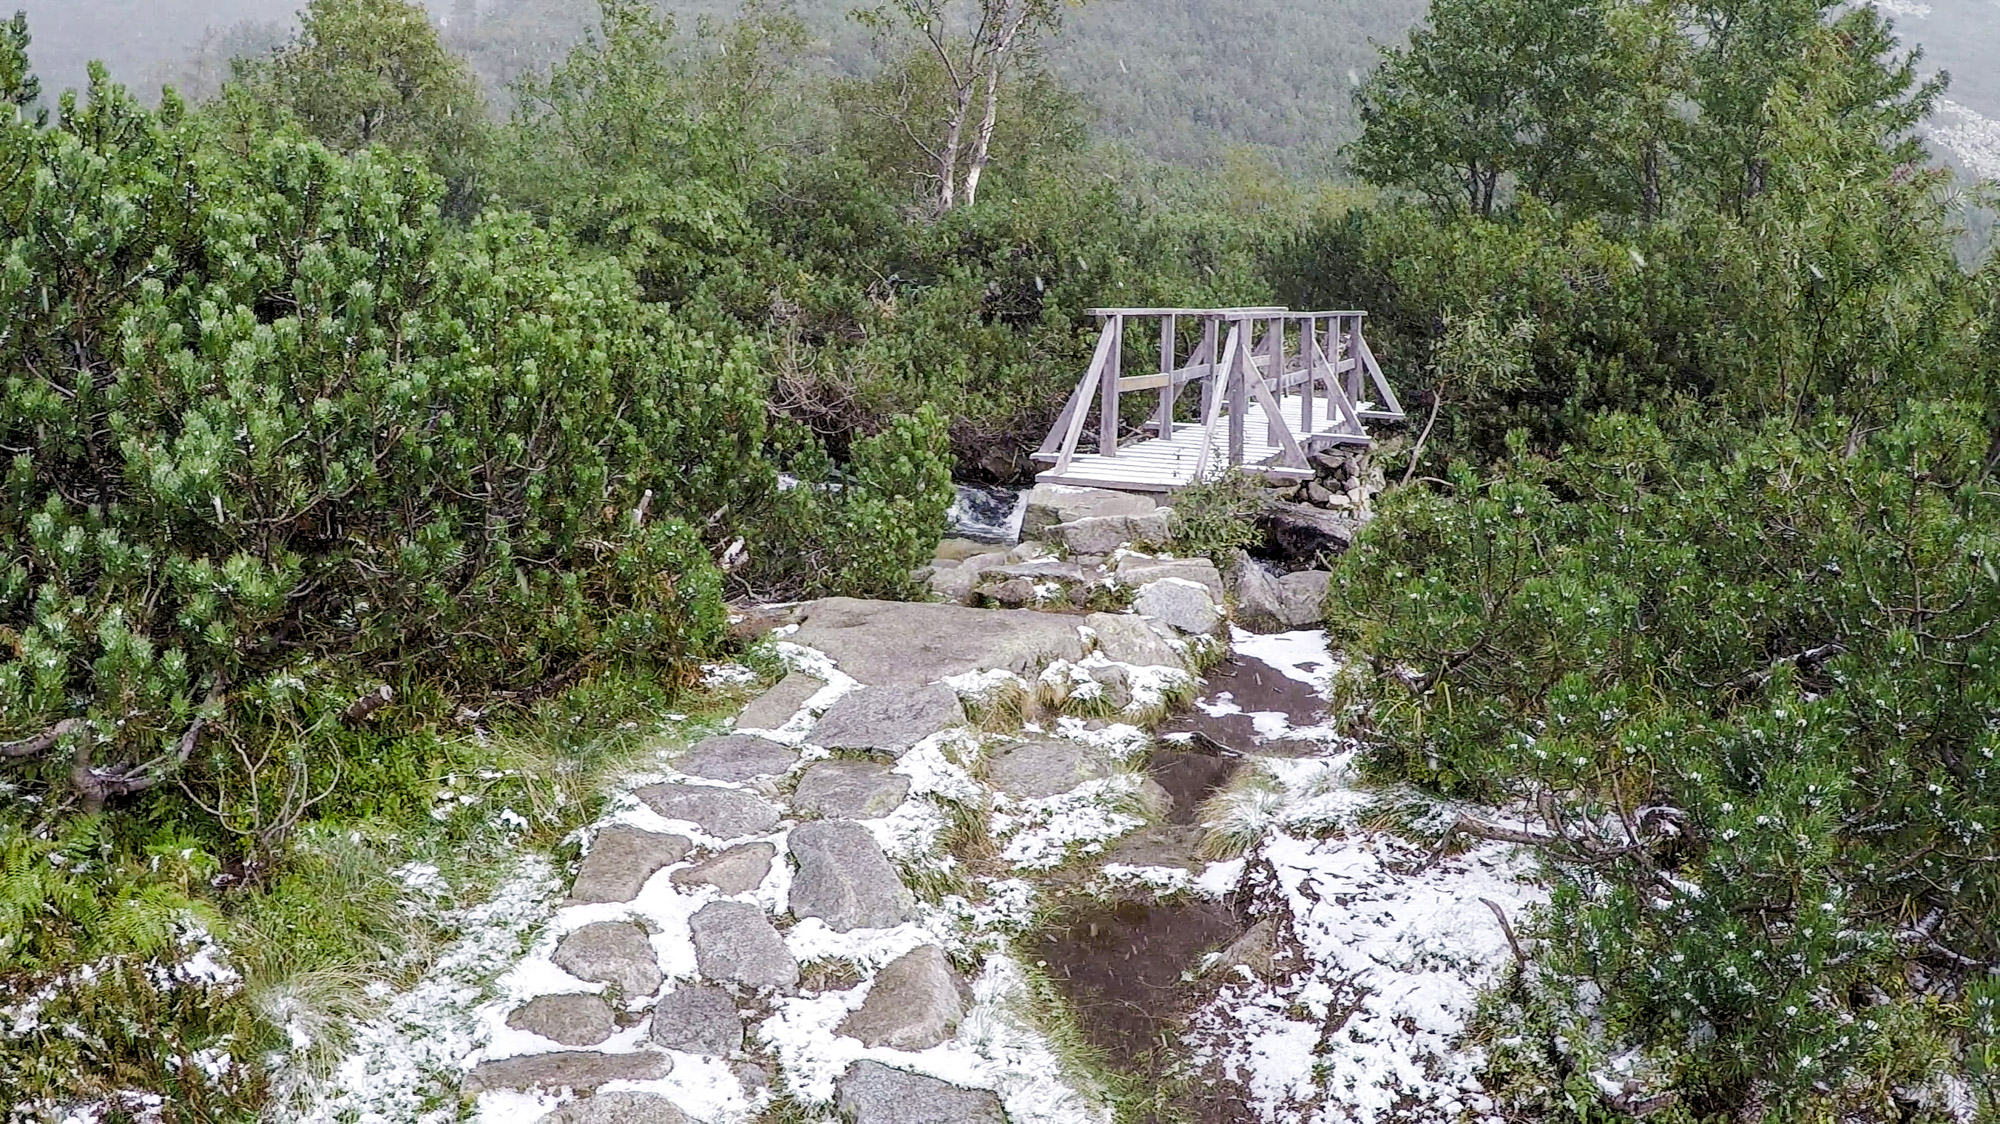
pixel 1274 387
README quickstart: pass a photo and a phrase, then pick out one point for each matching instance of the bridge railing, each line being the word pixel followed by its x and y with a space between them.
pixel 1309 372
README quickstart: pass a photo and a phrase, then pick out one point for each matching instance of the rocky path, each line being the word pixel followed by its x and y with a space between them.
pixel 862 899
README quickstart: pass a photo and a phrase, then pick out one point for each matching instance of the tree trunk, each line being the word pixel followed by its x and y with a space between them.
pixel 996 65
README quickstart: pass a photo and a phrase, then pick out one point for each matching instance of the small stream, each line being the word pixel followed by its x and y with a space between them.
pixel 989 513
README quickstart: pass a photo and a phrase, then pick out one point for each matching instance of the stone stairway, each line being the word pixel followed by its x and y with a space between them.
pixel 815 907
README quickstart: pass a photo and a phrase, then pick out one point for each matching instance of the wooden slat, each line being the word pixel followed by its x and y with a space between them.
pixel 1217 391
pixel 1375 373
pixel 1084 390
pixel 1168 346
pixel 1107 424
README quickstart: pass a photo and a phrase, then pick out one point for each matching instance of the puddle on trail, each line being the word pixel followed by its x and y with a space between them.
pixel 1248 706
pixel 1120 965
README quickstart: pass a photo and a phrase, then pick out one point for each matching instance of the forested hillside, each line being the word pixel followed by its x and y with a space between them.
pixel 390 459
pixel 1182 81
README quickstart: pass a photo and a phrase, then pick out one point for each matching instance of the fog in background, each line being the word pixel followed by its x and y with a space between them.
pixel 1180 80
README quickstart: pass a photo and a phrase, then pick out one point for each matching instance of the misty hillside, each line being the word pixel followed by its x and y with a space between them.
pixel 1181 81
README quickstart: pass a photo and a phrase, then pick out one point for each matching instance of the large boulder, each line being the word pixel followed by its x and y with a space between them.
pixel 698 1020
pixel 735 943
pixel 581 1070
pixel 873 1093
pixel 1302 532
pixel 888 719
pixel 913 1004
pixel 901 644
pixel 726 813
pixel 579 1019
pixel 1131 639
pixel 1103 534
pixel 737 758
pixel 844 879
pixel 1182 604
pixel 1051 504
pixel 850 790
pixel 738 870
pixel 1267 602
pixel 617 954
pixel 617 1108
pixel 620 861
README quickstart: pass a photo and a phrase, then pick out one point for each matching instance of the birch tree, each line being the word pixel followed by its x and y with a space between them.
pixel 977 45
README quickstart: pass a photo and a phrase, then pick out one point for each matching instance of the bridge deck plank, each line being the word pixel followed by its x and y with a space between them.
pixel 1164 464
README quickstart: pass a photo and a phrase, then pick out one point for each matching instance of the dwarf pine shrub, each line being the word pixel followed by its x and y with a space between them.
pixel 1755 702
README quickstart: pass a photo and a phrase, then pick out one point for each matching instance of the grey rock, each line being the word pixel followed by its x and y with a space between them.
pixel 1182 604
pixel 1272 603
pixel 1039 770
pixel 738 870
pixel 725 813
pixel 1139 570
pixel 581 1070
pixel 844 878
pixel 1134 640
pixel 913 1004
pixel 735 943
pixel 980 563
pixel 1317 495
pixel 698 1020
pixel 888 719
pixel 958 550
pixel 1114 683
pixel 737 758
pixel 1256 949
pixel 620 861
pixel 1028 552
pixel 1013 593
pixel 618 1108
pixel 1051 504
pixel 779 705
pixel 953 584
pixel 902 644
pixel 1103 534
pixel 1301 531
pixel 1303 594
pixel 754 1078
pixel 574 1020
pixel 850 790
pixel 873 1093
pixel 618 954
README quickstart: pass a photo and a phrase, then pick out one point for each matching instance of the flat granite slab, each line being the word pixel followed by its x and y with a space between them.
pixel 905 644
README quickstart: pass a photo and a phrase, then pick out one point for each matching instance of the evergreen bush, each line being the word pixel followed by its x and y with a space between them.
pixel 1752 700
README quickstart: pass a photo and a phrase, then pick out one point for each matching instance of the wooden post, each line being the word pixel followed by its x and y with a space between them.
pixel 1168 347
pixel 1309 352
pixel 1073 424
pixel 1352 353
pixel 1211 339
pixel 1217 366
pixel 1107 424
pixel 1239 389
pixel 1275 376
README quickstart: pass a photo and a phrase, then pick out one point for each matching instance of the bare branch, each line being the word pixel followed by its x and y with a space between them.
pixel 42 742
